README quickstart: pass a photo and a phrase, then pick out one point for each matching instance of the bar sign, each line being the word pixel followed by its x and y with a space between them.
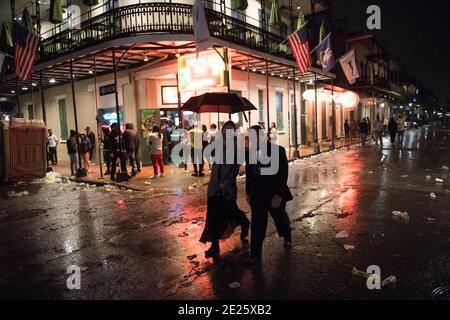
pixel 108 89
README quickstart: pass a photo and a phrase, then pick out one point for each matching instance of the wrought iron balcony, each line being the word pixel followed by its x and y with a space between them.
pixel 157 18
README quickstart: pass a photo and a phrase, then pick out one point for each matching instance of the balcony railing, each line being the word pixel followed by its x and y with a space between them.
pixel 157 18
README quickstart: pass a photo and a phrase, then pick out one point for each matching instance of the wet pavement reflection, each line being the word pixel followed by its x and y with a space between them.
pixel 144 245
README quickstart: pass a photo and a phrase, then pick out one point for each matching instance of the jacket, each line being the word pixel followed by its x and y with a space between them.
pixel 85 145
pixel 72 146
pixel 266 186
pixel 130 140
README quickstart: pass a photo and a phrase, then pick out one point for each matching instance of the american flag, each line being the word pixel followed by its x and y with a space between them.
pixel 300 48
pixel 26 46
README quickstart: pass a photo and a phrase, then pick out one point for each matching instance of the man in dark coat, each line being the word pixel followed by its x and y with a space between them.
pixel 114 143
pixel 267 194
pixel 91 136
pixel 130 144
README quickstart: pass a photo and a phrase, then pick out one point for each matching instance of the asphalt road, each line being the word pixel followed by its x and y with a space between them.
pixel 135 245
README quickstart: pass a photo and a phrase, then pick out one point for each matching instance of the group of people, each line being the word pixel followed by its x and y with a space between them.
pixel 266 194
pixel 84 142
pixel 395 127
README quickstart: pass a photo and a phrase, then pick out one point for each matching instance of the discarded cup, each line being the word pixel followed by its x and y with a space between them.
pixel 348 247
pixel 433 196
pixel 342 235
pixel 428 178
pixel 445 168
pixel 234 285
pixel 439 180
pixel 404 216
pixel 389 282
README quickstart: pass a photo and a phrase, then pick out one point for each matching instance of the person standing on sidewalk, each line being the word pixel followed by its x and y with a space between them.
pixel 91 136
pixel 273 134
pixel 347 130
pixel 166 143
pixel 401 129
pixel 266 194
pixel 114 151
pixel 196 141
pixel 156 152
pixel 363 131
pixel 129 141
pixel 106 149
pixel 52 146
pixel 72 150
pixel 379 131
pixel 393 129
pixel 85 147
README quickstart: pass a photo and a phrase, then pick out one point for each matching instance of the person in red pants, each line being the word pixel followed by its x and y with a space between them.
pixel 156 152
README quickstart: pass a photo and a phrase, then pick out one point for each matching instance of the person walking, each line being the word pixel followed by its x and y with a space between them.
pixel 266 194
pixel 273 134
pixel 196 142
pixel 85 148
pixel 363 131
pixel 156 152
pixel 106 149
pixel 393 129
pixel 129 141
pixel 72 150
pixel 52 141
pixel 401 129
pixel 347 130
pixel 223 215
pixel 379 131
pixel 91 136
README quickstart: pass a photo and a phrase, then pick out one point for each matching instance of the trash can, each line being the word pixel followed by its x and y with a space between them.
pixel 24 143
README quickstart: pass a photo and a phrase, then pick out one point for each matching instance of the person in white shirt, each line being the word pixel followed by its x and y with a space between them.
pixel 52 141
pixel 273 133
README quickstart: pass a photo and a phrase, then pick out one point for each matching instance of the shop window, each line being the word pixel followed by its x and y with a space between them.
pixel 63 119
pixel 279 109
pixel 261 104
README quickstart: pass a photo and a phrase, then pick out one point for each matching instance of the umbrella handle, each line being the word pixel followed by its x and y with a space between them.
pixel 245 116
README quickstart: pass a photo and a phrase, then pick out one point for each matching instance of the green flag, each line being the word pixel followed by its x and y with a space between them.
pixel 27 21
pixel 56 12
pixel 275 14
pixel 301 20
pixel 323 32
pixel 239 4
pixel 6 39
pixel 90 3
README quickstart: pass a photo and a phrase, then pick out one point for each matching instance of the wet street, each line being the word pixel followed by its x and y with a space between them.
pixel 144 245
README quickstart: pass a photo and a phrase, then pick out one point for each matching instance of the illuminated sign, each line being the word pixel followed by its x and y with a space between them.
pixel 108 89
pixel 202 72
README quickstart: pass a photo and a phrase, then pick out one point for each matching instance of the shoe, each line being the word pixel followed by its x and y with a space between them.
pixel 287 243
pixel 201 174
pixel 134 174
pixel 112 178
pixel 244 232
pixel 155 176
pixel 212 253
pixel 161 175
pixel 195 174
pixel 253 261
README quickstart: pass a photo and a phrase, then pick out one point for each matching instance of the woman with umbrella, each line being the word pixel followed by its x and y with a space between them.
pixel 223 214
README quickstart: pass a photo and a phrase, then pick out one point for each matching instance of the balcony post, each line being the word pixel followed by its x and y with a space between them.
pixel 333 116
pixel 296 153
pixel 267 96
pixel 97 118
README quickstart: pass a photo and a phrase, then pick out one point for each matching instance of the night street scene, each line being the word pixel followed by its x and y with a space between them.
pixel 236 152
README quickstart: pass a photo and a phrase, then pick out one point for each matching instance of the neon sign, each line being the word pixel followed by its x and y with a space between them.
pixel 206 71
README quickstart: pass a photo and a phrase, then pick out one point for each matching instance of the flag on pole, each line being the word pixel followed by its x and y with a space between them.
pixel 2 61
pixel 202 37
pixel 325 55
pixel 348 63
pixel 26 46
pixel 299 43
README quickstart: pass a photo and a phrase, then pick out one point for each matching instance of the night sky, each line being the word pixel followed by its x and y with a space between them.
pixel 417 33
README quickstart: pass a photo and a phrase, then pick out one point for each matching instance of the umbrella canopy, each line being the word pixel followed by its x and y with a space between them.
pixel 218 102
pixel 239 4
pixel 56 12
pixel 90 2
pixel 6 39
pixel 275 14
pixel 27 21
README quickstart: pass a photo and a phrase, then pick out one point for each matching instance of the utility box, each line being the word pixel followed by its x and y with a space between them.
pixel 23 150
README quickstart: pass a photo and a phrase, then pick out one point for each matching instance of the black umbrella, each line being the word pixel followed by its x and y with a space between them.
pixel 218 102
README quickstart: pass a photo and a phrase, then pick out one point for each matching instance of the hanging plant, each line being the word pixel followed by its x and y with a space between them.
pixel 56 12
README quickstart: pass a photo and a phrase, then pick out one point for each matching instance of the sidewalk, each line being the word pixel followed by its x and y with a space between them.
pixel 174 177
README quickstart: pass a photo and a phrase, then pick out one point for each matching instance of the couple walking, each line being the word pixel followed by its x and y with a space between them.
pixel 266 194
